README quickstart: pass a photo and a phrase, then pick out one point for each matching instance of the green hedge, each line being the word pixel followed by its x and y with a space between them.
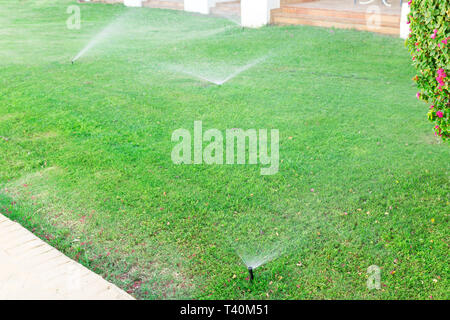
pixel 428 43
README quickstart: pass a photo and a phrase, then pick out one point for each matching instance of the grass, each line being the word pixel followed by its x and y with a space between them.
pixel 85 155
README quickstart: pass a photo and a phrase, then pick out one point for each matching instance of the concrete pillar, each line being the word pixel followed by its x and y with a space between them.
pixel 132 3
pixel 200 6
pixel 256 13
pixel 404 26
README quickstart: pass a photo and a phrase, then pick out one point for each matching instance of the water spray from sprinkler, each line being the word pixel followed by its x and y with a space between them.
pixel 250 271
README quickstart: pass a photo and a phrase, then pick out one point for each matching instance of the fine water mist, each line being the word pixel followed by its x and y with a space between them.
pixel 220 80
pixel 134 25
pixel 257 259
pixel 259 237
pixel 112 28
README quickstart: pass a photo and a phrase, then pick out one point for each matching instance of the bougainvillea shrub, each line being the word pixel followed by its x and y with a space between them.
pixel 428 43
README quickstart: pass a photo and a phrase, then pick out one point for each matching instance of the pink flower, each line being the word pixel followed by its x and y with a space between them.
pixel 445 41
pixel 433 36
pixel 440 114
pixel 409 2
pixel 431 107
pixel 418 95
pixel 440 78
pixel 438 131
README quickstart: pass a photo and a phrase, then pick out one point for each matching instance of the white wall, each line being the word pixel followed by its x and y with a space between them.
pixel 214 2
pixel 404 27
pixel 132 3
pixel 200 6
pixel 256 13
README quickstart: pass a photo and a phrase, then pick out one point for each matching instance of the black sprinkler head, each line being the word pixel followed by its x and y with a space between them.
pixel 250 270
pixel 72 61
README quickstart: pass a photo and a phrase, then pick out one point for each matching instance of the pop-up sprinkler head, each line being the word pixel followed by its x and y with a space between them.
pixel 250 270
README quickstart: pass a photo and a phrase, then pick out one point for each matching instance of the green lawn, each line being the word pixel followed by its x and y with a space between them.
pixel 85 155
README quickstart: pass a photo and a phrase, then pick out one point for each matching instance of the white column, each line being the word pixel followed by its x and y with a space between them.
pixel 200 6
pixel 132 3
pixel 256 13
pixel 404 26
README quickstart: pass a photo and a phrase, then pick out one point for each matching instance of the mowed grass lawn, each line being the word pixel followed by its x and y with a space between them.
pixel 85 155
